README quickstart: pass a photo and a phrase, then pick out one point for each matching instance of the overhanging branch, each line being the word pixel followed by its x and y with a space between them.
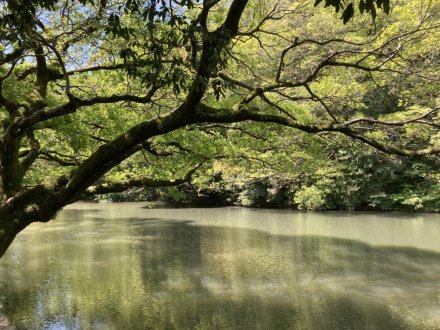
pixel 209 114
pixel 114 187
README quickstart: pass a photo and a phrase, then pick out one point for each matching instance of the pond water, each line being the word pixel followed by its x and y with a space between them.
pixel 125 266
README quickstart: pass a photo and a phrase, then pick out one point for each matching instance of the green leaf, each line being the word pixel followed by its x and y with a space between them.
pixel 386 6
pixel 373 12
pixel 348 13
pixel 362 6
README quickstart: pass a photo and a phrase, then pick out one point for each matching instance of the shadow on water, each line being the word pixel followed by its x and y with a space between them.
pixel 361 214
pixel 166 274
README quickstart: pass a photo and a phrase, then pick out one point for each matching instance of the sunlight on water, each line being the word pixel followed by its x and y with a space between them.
pixel 122 266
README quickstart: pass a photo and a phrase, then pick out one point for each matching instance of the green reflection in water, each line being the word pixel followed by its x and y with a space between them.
pixel 123 267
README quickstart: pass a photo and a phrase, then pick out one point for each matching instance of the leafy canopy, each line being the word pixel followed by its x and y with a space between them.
pixel 100 96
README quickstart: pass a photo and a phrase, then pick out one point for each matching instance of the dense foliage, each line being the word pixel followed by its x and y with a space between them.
pixel 249 102
pixel 355 179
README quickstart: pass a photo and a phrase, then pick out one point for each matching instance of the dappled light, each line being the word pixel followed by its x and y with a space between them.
pixel 322 114
pixel 221 268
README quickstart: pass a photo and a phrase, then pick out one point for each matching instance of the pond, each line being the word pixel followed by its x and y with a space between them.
pixel 126 266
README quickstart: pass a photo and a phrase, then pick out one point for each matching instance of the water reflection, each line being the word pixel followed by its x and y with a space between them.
pixel 124 267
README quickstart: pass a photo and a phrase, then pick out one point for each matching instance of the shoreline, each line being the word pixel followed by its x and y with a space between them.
pixel 173 205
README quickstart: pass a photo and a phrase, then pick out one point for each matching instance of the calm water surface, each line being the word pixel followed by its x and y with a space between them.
pixel 124 266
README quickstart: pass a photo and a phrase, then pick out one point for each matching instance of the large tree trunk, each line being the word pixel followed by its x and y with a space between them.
pixel 10 226
pixel 21 206
pixel 30 205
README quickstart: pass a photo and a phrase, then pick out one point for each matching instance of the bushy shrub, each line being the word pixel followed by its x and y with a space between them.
pixel 310 198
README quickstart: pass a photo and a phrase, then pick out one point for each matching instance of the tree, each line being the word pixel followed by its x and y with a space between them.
pixel 92 89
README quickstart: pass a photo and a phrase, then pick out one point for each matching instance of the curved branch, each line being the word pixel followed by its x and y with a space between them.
pixel 114 187
pixel 234 14
pixel 30 156
pixel 60 62
pixel 14 55
pixel 208 114
pixel 42 78
pixel 391 149
pixel 392 123
pixel 76 103
pixel 52 156
pixel 317 98
pixel 203 15
pixel 55 75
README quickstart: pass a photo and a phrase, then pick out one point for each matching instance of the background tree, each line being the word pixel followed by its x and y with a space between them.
pixel 98 96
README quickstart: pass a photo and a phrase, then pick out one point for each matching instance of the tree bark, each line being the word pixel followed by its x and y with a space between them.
pixel 41 203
